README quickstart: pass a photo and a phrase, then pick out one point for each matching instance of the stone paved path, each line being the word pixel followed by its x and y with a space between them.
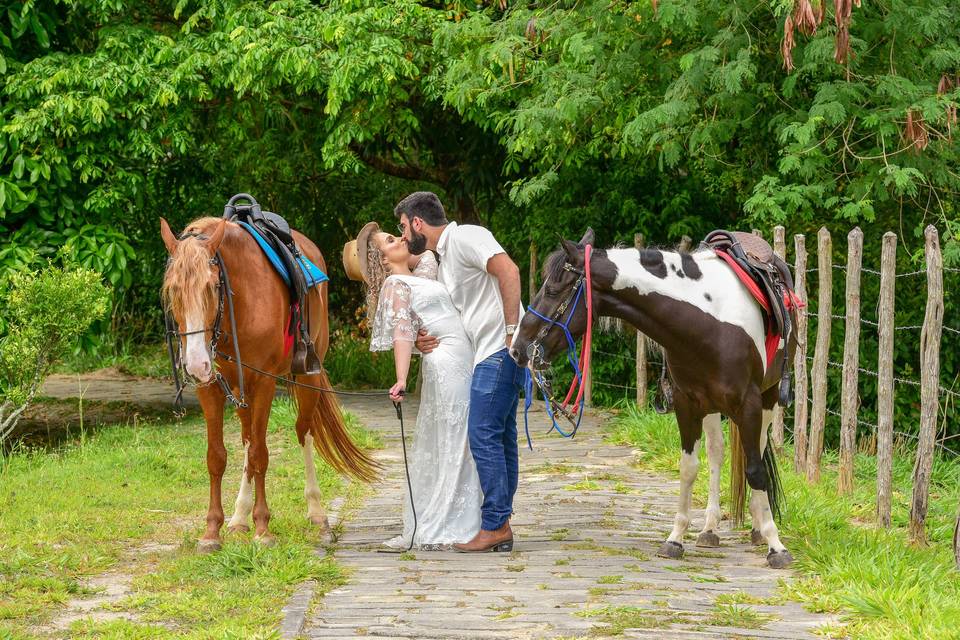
pixel 587 529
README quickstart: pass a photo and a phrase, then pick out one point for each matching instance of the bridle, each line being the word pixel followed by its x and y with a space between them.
pixel 180 375
pixel 579 362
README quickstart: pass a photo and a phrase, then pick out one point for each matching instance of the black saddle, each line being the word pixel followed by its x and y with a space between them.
pixel 276 231
pixel 772 275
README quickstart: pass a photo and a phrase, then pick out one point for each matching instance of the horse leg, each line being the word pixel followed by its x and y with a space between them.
pixel 211 401
pixel 691 428
pixel 711 517
pixel 261 400
pixel 307 400
pixel 243 507
pixel 764 526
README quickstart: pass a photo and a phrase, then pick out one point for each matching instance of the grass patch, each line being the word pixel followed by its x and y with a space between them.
pixel 554 468
pixel 132 499
pixel 735 615
pixel 884 586
pixel 742 597
pixel 619 619
pixel 610 580
pixel 559 534
pixel 584 485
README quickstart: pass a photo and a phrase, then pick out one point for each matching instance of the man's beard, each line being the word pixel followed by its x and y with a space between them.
pixel 417 243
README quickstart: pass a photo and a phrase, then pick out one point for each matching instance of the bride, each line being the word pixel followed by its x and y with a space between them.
pixel 443 476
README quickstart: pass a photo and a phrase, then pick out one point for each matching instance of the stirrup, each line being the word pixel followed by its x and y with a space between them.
pixel 305 360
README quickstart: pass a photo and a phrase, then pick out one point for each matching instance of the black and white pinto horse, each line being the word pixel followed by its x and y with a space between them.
pixel 712 333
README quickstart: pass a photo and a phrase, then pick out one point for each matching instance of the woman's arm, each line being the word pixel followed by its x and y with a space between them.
pixel 402 350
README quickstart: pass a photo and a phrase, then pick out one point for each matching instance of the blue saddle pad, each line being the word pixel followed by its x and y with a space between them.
pixel 311 272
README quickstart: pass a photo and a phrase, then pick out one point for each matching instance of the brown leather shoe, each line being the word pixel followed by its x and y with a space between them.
pixel 498 540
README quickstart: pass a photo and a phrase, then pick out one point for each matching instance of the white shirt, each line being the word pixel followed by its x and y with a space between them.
pixel 464 252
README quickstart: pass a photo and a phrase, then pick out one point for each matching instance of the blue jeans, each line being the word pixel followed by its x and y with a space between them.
pixel 492 426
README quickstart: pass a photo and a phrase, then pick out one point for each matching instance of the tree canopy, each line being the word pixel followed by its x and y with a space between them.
pixel 536 118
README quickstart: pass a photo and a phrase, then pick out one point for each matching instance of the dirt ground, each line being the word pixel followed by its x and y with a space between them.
pixel 69 403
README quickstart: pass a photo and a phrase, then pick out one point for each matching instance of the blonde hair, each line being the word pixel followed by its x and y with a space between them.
pixel 376 273
pixel 187 286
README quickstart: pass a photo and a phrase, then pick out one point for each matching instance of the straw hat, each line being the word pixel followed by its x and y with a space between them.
pixel 355 253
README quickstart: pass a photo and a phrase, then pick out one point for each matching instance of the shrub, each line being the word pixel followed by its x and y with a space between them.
pixel 44 312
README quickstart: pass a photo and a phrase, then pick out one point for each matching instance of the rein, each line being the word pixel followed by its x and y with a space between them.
pixel 580 362
pixel 224 292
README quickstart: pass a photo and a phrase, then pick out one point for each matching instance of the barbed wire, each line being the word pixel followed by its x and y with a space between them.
pixel 938 442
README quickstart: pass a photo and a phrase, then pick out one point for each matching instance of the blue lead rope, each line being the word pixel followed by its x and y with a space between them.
pixel 573 357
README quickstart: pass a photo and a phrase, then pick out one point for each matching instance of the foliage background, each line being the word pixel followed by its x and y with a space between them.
pixel 536 119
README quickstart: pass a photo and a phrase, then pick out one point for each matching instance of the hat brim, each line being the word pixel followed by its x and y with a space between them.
pixel 355 253
pixel 363 239
pixel 351 261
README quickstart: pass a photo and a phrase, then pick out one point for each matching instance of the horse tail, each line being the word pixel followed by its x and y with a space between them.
pixel 738 477
pixel 774 487
pixel 332 440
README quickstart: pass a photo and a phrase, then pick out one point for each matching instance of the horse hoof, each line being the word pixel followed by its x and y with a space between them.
pixel 238 528
pixel 779 559
pixel 756 538
pixel 205 545
pixel 320 521
pixel 671 549
pixel 266 540
pixel 708 539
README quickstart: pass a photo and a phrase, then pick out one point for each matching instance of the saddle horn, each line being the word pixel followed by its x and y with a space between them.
pixel 230 209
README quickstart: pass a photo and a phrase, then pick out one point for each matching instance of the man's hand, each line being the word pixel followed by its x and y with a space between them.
pixel 426 342
pixel 398 391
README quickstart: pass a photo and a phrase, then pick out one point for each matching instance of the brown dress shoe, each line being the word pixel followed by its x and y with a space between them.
pixel 499 540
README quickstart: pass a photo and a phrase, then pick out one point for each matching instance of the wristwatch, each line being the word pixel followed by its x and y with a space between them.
pixel 511 329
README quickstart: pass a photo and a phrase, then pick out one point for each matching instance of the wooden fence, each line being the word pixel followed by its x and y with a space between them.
pixel 811 409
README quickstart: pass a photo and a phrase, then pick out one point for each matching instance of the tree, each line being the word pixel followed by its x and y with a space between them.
pixel 45 312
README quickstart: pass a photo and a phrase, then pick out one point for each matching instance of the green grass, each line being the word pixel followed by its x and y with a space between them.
pixel 132 499
pixel 736 615
pixel 883 586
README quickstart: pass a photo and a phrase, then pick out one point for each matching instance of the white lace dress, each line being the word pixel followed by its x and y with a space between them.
pixel 446 488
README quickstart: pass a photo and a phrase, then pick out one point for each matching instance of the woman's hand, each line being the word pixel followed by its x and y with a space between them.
pixel 397 391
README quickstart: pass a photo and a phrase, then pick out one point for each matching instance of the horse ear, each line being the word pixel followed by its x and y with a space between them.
pixel 587 237
pixel 571 249
pixel 169 240
pixel 213 244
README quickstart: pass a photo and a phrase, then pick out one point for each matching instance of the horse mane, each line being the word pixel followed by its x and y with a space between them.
pixel 186 282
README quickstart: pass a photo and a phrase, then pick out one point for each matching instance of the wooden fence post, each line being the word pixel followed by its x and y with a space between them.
pixel 929 385
pixel 533 272
pixel 641 348
pixel 851 363
pixel 888 279
pixel 779 248
pixel 800 406
pixel 818 375
pixel 956 541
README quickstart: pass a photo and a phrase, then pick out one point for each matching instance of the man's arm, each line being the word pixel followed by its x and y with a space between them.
pixel 508 277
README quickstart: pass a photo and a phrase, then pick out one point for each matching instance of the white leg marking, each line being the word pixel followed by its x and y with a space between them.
pixel 196 358
pixel 311 490
pixel 244 504
pixel 759 505
pixel 689 464
pixel 714 433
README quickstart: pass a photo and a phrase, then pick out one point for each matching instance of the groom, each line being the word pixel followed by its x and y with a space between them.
pixel 485 286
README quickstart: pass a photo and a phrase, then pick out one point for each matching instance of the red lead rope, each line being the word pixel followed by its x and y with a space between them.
pixel 587 339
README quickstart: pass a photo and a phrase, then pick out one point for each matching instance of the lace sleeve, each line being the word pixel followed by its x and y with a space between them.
pixel 427 267
pixel 395 319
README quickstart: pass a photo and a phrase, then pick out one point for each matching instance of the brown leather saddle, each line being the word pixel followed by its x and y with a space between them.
pixel 772 275
pixel 277 233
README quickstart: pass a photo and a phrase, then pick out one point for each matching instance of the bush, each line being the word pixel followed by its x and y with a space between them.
pixel 43 315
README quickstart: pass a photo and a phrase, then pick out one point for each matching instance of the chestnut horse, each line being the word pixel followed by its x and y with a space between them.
pixel 261 304
pixel 712 334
